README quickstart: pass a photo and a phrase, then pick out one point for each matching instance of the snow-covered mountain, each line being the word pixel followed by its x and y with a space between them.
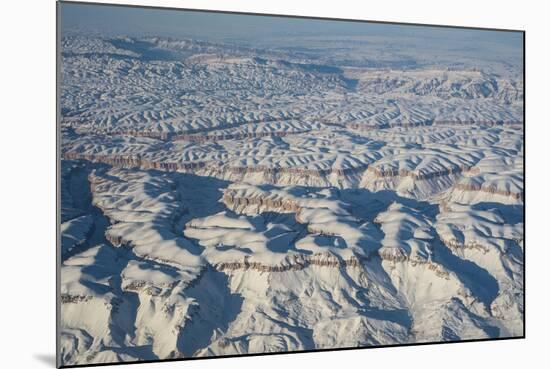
pixel 223 199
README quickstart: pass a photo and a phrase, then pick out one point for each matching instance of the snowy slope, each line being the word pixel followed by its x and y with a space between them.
pixel 221 199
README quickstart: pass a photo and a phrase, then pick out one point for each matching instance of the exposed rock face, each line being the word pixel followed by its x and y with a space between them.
pixel 294 263
pixel 74 299
pixel 267 172
pixel 117 240
pixel 516 124
pixel 489 189
pixel 454 244
pixel 265 203
pixel 395 254
pixel 367 127
pixel 196 135
pixel 234 136
pixel 134 162
pixel 386 173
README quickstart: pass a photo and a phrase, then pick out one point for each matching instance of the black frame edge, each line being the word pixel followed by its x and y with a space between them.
pixel 524 186
pixel 58 184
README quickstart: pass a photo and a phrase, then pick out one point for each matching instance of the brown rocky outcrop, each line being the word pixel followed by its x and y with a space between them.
pixel 372 127
pixel 512 124
pixel 327 260
pixel 74 299
pixel 300 172
pixel 84 128
pixel 117 240
pixel 454 244
pixel 489 189
pixel 298 262
pixel 278 204
pixel 398 255
pixel 437 268
pixel 264 204
pixel 364 126
pixel 135 161
pixel 387 173
pixel 149 289
pixel 233 136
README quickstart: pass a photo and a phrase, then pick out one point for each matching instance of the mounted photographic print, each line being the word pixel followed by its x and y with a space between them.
pixel 240 184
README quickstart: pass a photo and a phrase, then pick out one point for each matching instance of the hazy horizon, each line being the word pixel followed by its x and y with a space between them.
pixel 109 20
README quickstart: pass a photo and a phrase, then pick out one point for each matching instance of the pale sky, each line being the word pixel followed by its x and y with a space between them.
pixel 109 20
